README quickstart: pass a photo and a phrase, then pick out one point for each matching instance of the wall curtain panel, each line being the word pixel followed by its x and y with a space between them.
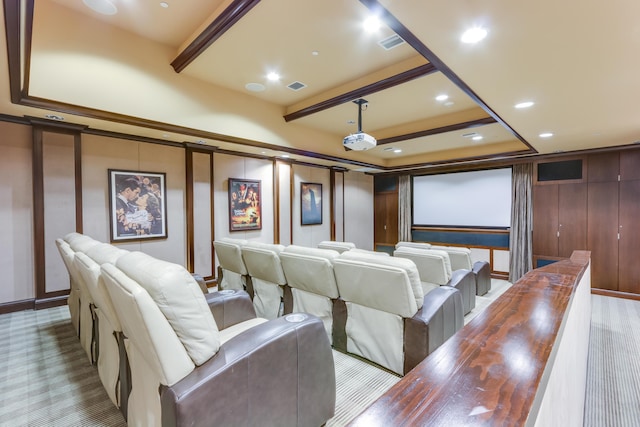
pixel 404 208
pixel 520 245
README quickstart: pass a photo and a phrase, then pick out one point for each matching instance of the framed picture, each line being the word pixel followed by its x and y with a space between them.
pixel 245 210
pixel 310 203
pixel 137 205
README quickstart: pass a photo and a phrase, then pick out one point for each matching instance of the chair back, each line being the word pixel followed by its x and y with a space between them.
pixel 229 253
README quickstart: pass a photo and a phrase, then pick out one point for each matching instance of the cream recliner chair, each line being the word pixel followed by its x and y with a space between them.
pixel 186 372
pixel 336 246
pixel 110 344
pixel 434 268
pixel 389 320
pixel 79 300
pixel 416 245
pixel 311 282
pixel 461 259
pixel 73 301
pixel 264 267
pixel 232 271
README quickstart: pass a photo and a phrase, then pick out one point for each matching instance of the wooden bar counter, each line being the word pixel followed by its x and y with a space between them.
pixel 521 362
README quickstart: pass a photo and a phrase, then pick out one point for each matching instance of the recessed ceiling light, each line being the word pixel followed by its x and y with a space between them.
pixel 546 135
pixel 201 142
pixel 315 53
pixel 477 138
pixel 285 156
pixel 397 150
pixel 273 76
pixel 372 24
pixel 525 104
pixel 164 4
pixel 254 87
pixel 473 35
pixel 448 103
pixel 442 97
pixel 54 117
pixel 104 7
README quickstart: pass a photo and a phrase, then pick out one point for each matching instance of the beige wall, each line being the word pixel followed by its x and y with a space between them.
pixel 16 214
pixel 101 153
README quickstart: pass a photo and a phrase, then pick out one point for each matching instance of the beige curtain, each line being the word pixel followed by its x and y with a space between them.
pixel 520 247
pixel 404 208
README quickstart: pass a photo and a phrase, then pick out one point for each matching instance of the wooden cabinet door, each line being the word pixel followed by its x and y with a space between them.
pixel 545 220
pixel 602 234
pixel 386 218
pixel 629 243
pixel 572 218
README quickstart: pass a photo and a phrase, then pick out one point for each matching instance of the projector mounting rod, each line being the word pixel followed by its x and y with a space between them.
pixel 360 103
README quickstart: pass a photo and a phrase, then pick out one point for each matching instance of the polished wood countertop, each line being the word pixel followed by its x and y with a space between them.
pixel 489 372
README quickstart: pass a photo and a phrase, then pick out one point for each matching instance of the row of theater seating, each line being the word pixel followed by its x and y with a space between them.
pixel 382 308
pixel 170 354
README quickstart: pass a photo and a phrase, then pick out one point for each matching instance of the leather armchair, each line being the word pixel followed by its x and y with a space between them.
pixel 311 282
pixel 212 376
pixel 434 268
pixel 264 268
pixel 232 272
pixel 385 310
pixel 461 259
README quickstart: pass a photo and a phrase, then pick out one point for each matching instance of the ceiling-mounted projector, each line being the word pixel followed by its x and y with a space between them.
pixel 359 141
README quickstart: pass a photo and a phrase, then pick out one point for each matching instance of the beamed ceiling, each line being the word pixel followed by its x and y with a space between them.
pixel 184 73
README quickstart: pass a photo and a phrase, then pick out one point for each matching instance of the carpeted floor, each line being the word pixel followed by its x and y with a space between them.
pixel 46 379
pixel 613 375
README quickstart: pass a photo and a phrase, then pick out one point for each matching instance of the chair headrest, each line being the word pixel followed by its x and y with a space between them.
pixel 336 246
pixel 263 262
pixel 310 269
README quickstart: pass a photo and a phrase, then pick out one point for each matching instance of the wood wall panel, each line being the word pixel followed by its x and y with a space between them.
pixel 603 167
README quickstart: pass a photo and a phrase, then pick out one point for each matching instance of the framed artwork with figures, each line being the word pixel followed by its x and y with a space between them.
pixel 245 210
pixel 137 205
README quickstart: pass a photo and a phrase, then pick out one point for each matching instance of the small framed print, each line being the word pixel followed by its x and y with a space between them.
pixel 310 203
pixel 245 211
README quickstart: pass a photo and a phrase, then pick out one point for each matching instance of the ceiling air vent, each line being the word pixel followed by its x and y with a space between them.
pixel 391 42
pixel 296 86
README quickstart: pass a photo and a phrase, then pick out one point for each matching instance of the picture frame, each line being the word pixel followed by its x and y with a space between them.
pixel 137 205
pixel 310 203
pixel 245 209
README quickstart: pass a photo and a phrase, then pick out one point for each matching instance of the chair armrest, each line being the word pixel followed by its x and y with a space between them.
pixel 482 271
pixel 200 281
pixel 230 307
pixel 440 317
pixel 276 373
pixel 465 282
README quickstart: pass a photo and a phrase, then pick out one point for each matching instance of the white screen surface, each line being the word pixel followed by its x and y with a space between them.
pixel 467 199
